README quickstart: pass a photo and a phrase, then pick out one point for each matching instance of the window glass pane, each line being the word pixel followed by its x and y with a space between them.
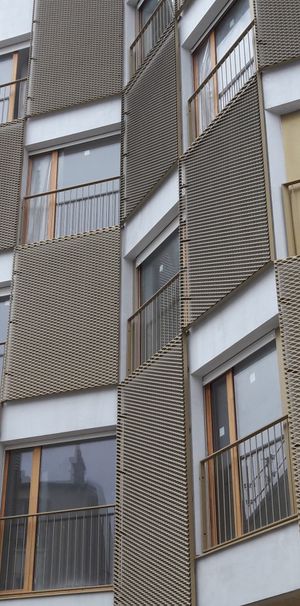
pixel 40 178
pixel 4 313
pixel 147 8
pixel 5 69
pixel 78 474
pixel 23 58
pixel 220 420
pixel 1 359
pixel 91 161
pixel 159 267
pixel 232 26
pixel 257 391
pixel 18 482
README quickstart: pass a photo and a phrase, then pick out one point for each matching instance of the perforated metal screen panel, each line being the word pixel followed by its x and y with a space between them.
pixel 64 333
pixel 11 154
pixel 152 552
pixel 227 225
pixel 77 53
pixel 288 288
pixel 150 124
pixel 278 26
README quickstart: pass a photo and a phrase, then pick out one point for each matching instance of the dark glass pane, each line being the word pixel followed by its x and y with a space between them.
pixel 5 69
pixel 18 482
pixel 90 161
pixel 159 267
pixel 23 59
pixel 232 26
pixel 220 420
pixel 1 359
pixel 147 9
pixel 4 314
pixel 77 475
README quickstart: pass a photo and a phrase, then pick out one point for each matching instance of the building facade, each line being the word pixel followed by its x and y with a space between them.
pixel 149 302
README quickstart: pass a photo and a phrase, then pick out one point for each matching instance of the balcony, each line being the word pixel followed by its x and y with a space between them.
pixel 71 210
pixel 154 324
pixel 222 84
pixel 12 100
pixel 151 33
pixel 246 487
pixel 68 549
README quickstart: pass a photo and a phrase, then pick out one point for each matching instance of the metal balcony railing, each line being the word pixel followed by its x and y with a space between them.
pixel 154 324
pixel 12 100
pixel 222 84
pixel 246 486
pixel 57 550
pixel 151 33
pixel 71 210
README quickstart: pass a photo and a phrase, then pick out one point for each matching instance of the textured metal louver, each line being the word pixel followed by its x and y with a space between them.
pixel 150 124
pixel 77 53
pixel 11 154
pixel 64 332
pixel 152 552
pixel 288 289
pixel 278 26
pixel 227 224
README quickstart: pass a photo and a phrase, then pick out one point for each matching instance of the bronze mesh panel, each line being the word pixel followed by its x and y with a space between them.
pixel 150 124
pixel 11 154
pixel 288 289
pixel 64 332
pixel 77 53
pixel 278 26
pixel 227 225
pixel 152 552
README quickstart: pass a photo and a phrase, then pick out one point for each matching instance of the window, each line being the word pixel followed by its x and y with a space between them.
pixel 154 16
pixel 157 320
pixel 58 507
pixel 13 75
pixel 222 64
pixel 246 472
pixel 4 314
pixel 72 190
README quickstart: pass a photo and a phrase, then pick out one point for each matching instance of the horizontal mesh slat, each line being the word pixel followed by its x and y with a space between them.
pixel 64 332
pixel 278 26
pixel 153 554
pixel 77 53
pixel 227 224
pixel 288 288
pixel 11 154
pixel 150 125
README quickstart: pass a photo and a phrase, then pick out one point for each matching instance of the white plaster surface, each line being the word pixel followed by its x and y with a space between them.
pixel 265 566
pixel 78 412
pixel 65 126
pixel 6 267
pixel 235 324
pixel 282 88
pixel 15 20
pixel 84 599
pixel 152 218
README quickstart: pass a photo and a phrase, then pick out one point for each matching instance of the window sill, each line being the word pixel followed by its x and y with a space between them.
pixel 12 595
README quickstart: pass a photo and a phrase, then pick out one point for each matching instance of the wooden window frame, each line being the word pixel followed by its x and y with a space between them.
pixel 234 456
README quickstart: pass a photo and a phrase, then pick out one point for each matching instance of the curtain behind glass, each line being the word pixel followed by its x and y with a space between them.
pixel 205 99
pixel 38 207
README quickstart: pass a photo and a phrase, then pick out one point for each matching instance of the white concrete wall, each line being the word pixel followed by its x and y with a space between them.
pixel 137 234
pixel 15 20
pixel 73 124
pixel 235 325
pixel 58 416
pixel 84 599
pixel 262 567
pixel 6 267
pixel 281 90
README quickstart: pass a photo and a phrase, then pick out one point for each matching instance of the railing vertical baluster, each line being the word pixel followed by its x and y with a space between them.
pixel 277 472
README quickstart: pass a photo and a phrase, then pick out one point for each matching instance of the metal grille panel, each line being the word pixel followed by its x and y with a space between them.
pixel 11 154
pixel 64 332
pixel 152 525
pixel 227 224
pixel 77 53
pixel 150 124
pixel 288 289
pixel 278 25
